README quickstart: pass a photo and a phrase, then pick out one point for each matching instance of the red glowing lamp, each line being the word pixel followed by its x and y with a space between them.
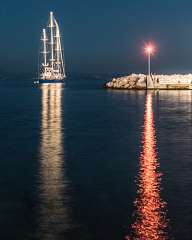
pixel 149 50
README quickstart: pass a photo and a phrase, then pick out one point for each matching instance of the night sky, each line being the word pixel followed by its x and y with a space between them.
pixel 100 36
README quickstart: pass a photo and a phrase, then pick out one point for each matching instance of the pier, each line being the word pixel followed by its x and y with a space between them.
pixel 156 82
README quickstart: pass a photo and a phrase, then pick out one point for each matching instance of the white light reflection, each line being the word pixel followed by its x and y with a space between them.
pixel 53 210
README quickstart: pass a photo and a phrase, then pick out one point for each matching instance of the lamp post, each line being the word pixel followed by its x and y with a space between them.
pixel 149 50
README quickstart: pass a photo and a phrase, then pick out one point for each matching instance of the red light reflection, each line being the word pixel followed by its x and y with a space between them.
pixel 150 217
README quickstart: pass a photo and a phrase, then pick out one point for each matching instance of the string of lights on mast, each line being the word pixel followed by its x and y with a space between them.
pixel 52 66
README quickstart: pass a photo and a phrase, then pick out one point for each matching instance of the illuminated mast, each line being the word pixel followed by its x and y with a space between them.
pixel 58 50
pixel 52 39
pixel 44 39
pixel 52 67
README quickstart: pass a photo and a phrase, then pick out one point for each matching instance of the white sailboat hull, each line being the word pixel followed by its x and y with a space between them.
pixel 50 74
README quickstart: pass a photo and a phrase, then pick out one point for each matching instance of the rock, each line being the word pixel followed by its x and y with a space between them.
pixel 109 84
pixel 124 81
pixel 126 86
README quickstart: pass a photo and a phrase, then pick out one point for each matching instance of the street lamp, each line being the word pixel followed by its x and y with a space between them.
pixel 149 50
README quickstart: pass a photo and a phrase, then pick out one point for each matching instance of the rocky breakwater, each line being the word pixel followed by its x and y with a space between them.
pixel 141 81
pixel 133 81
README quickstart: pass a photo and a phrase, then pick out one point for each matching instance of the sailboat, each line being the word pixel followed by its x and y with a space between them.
pixel 52 68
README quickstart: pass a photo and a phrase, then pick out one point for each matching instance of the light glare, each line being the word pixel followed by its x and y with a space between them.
pixel 149 48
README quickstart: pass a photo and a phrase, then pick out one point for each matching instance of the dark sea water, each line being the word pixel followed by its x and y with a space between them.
pixel 81 162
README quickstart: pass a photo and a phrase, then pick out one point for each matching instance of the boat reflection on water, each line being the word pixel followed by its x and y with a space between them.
pixel 53 220
pixel 150 215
